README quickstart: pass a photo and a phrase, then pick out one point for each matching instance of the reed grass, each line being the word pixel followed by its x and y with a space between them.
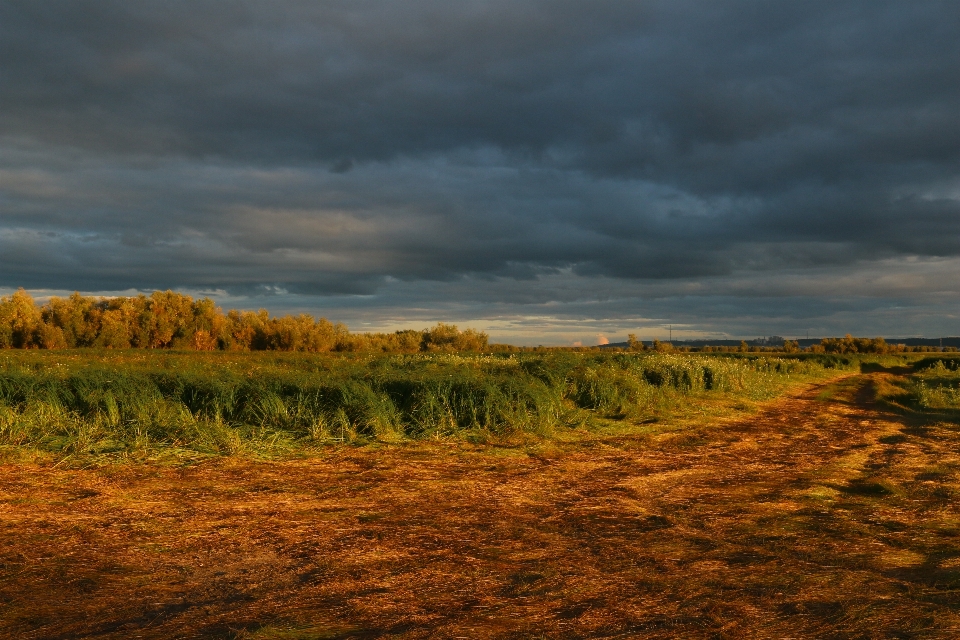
pixel 935 385
pixel 116 402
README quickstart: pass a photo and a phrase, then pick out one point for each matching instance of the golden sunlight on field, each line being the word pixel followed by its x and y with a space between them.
pixel 820 516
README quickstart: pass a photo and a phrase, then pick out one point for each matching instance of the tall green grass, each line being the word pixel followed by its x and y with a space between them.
pixel 232 403
pixel 936 383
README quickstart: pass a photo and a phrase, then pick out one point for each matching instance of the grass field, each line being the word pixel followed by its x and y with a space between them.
pixel 933 386
pixel 145 403
pixel 610 496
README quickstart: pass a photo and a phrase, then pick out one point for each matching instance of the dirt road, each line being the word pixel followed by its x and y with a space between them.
pixel 820 517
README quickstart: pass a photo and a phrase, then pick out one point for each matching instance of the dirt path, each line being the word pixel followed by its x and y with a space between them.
pixel 821 517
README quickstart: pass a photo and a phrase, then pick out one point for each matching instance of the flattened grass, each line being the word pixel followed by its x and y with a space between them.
pixel 805 519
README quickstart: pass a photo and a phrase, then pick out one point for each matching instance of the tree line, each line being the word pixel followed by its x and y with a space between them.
pixel 170 320
pixel 845 345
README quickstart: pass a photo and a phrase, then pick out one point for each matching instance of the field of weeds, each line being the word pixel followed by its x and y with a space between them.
pixel 784 499
pixel 935 385
pixel 425 484
pixel 138 404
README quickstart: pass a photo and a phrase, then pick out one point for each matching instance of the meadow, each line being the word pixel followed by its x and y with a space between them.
pixel 540 494
pixel 935 385
pixel 554 494
pixel 140 403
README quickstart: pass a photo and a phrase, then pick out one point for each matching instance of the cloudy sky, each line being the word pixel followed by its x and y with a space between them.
pixel 549 171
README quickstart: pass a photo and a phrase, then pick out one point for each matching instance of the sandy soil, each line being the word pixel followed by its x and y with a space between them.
pixel 820 517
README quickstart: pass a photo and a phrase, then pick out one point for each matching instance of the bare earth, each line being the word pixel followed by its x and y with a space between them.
pixel 820 517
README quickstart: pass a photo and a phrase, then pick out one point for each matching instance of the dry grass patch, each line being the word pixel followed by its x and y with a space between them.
pixel 812 518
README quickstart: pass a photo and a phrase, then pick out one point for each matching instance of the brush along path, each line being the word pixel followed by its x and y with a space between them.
pixel 821 516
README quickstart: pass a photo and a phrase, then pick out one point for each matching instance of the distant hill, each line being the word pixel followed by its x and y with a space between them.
pixel 773 341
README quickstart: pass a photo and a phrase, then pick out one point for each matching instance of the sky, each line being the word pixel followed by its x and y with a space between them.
pixel 550 172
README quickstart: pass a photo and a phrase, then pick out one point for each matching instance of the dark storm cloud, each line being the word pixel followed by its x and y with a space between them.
pixel 341 146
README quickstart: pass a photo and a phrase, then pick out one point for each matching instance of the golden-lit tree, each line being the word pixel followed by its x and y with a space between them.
pixel 19 321
pixel 170 320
